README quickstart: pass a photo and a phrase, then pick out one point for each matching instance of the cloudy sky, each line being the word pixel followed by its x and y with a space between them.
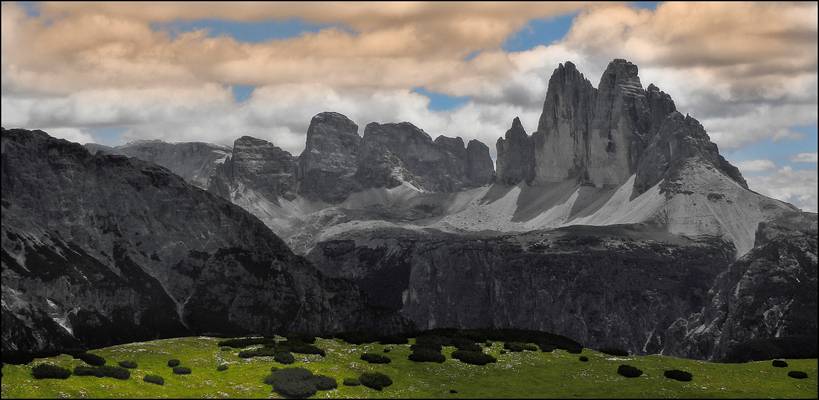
pixel 112 73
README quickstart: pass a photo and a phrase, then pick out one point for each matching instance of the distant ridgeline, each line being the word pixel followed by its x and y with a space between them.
pixel 615 223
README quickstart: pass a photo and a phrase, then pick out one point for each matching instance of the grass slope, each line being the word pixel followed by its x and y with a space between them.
pixel 527 374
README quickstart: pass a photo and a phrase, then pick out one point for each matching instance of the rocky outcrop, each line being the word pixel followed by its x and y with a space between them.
pixel 516 161
pixel 618 286
pixel 193 161
pixel 103 249
pixel 480 170
pixel 397 153
pixel 767 297
pixel 328 164
pixel 257 165
pixel 680 140
pixel 562 137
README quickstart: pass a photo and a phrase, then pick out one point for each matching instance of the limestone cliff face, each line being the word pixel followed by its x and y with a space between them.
pixel 516 159
pixel 562 137
pixel 258 165
pixel 603 286
pixel 479 167
pixel 767 295
pixel 102 249
pixel 196 162
pixel 327 166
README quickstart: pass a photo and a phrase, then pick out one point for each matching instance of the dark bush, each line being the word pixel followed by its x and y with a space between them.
pixel 393 339
pixel 373 358
pixel 779 363
pixel 284 357
pixel 351 382
pixel 503 352
pixel 91 359
pixel 386 349
pixel 103 371
pixel 518 346
pixel 50 371
pixel 572 348
pixel 155 379
pixel 546 347
pixel 238 343
pixel 299 347
pixel 322 382
pixel 260 352
pixel 797 374
pixel 173 362
pixel 628 371
pixel 427 346
pixel 357 337
pixel 226 348
pixel 298 382
pixel 473 357
pixel 274 369
pixel 453 391
pixel 433 340
pixel 425 354
pixel 465 344
pixel 222 367
pixel 128 364
pixel 678 375
pixel 375 380
pixel 613 351
pixel 792 347
pixel 300 338
pixel 181 370
pixel 584 358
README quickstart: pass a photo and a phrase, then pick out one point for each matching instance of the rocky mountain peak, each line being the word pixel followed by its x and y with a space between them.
pixel 515 155
pixel 329 161
pixel 258 164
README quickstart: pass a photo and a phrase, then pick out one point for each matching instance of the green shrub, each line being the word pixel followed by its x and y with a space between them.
pixel 628 371
pixel 465 344
pixel 473 357
pixel 779 363
pixel 393 339
pixel 283 357
pixel 181 370
pixel 433 340
pixel 375 380
pixel 173 362
pixel 322 382
pixel 797 374
pixel 226 348
pixel 387 349
pixel 91 359
pixel 453 391
pixel 128 364
pixel 351 382
pixel 425 354
pixel 222 367
pixel 613 351
pixel 299 347
pixel 298 382
pixel 546 347
pixel 103 371
pixel 373 358
pixel 678 375
pixel 238 343
pixel 50 371
pixel 518 346
pixel 155 379
pixel 357 337
pixel 584 358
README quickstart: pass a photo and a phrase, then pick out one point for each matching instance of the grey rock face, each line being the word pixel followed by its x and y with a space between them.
pixel 392 153
pixel 479 166
pixel 193 161
pixel 259 165
pixel 103 249
pixel 679 140
pixel 328 164
pixel 516 159
pixel 769 293
pixel 562 137
pixel 603 286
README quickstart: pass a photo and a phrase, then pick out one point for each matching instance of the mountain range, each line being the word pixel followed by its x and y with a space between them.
pixel 616 222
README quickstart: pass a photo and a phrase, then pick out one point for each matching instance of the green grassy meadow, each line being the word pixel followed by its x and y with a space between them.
pixel 527 374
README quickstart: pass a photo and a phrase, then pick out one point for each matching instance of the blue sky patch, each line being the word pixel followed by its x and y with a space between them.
pixel 539 31
pixel 780 152
pixel 440 101
pixel 248 32
pixel 242 92
pixel 109 136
